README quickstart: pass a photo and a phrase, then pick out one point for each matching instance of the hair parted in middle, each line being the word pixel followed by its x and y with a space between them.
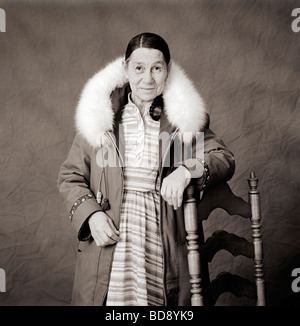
pixel 150 41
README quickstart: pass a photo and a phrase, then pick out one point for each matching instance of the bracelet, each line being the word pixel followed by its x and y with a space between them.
pixel 206 173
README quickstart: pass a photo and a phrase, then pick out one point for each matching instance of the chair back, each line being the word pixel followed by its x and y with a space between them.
pixel 198 208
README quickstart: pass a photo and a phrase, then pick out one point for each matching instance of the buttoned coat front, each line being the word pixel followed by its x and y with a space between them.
pixel 98 118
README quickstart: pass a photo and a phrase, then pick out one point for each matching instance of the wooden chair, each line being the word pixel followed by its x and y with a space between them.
pixel 201 253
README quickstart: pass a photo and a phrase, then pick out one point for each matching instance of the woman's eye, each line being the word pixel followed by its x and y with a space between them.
pixel 157 69
pixel 138 68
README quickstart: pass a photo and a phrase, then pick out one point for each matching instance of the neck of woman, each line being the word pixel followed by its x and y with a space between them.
pixel 140 104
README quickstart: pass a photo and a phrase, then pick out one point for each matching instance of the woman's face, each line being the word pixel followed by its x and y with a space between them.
pixel 147 72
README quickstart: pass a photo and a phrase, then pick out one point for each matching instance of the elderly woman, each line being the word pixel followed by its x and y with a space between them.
pixel 127 208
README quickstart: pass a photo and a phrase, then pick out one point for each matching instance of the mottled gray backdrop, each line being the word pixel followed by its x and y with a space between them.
pixel 244 59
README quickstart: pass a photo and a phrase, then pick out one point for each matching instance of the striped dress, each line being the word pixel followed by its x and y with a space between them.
pixel 137 267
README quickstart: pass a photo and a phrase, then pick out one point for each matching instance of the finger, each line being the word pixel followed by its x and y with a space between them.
pixel 107 236
pixel 100 242
pixel 170 201
pixel 111 234
pixel 168 197
pixel 95 237
pixel 180 198
pixel 165 198
pixel 175 202
pixel 112 225
pixel 168 193
pixel 108 241
pixel 111 241
pixel 104 240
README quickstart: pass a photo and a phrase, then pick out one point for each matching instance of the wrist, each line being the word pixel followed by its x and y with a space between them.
pixel 96 215
pixel 186 170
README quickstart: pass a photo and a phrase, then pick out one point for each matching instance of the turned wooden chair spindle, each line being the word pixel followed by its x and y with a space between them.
pixel 191 227
pixel 199 252
pixel 254 201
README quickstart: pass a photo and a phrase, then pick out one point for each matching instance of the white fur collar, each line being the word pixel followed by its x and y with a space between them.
pixel 184 106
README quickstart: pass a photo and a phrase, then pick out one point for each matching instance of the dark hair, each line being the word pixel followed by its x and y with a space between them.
pixel 150 41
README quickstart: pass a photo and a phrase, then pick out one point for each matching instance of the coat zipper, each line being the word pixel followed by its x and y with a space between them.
pixel 160 224
pixel 122 165
pixel 122 192
pixel 115 145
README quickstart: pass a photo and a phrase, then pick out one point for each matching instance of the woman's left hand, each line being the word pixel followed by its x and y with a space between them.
pixel 174 185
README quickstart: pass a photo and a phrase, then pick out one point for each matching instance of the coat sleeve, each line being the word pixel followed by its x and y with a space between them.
pixel 217 163
pixel 219 159
pixel 74 186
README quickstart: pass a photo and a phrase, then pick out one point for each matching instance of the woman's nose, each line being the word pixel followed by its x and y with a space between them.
pixel 148 77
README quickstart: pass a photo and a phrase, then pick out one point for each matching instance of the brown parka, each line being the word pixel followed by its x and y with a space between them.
pixel 98 119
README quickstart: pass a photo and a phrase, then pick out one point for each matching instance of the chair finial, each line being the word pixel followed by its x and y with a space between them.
pixel 253 182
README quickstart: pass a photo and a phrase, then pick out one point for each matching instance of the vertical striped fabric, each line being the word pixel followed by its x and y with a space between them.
pixel 137 268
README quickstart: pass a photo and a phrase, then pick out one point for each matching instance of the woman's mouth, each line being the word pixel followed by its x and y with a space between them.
pixel 146 89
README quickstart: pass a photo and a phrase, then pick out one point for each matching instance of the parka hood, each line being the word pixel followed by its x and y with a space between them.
pixel 183 105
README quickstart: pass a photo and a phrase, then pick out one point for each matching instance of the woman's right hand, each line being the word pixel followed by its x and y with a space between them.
pixel 103 229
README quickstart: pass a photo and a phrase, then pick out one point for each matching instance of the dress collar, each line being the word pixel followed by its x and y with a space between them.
pixel 132 105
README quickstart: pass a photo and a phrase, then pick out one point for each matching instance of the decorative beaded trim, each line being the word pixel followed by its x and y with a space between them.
pixel 206 173
pixel 77 203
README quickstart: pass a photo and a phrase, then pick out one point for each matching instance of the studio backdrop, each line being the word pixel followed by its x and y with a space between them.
pixel 243 57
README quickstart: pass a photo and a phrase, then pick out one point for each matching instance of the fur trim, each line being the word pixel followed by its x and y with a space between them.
pixel 184 106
